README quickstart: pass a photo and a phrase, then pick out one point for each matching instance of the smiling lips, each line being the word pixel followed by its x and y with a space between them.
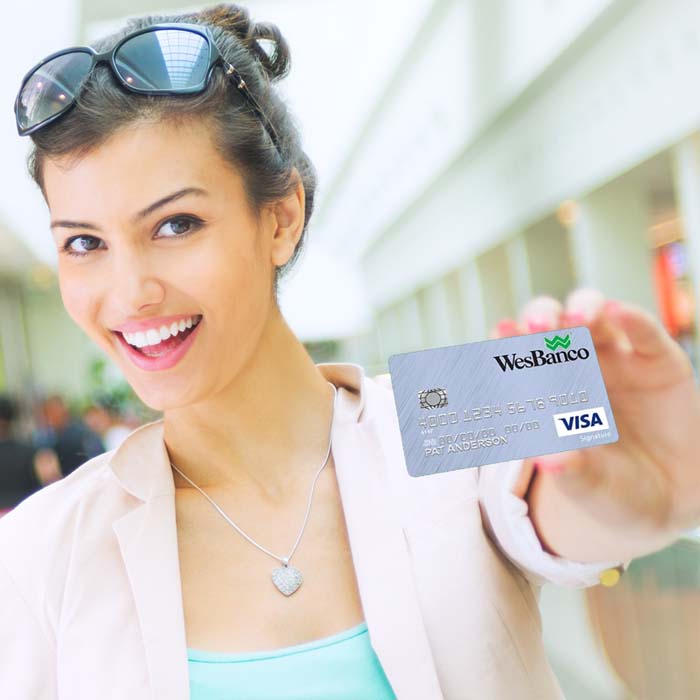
pixel 159 348
pixel 156 335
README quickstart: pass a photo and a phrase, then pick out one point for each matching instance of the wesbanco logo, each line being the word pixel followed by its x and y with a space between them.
pixel 537 358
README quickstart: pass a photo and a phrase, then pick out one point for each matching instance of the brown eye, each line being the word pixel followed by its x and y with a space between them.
pixel 181 226
pixel 68 245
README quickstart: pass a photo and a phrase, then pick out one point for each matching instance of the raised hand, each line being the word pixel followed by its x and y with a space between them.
pixel 648 482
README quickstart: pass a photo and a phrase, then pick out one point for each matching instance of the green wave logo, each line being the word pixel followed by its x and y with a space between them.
pixel 558 342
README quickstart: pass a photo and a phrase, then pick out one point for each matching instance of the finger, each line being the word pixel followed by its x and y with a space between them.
pixel 524 479
pixel 587 307
pixel 572 469
pixel 647 336
pixel 558 462
pixel 541 313
pixel 582 305
pixel 504 328
pixel 607 333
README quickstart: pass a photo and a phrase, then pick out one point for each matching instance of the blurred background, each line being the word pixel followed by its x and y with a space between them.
pixel 471 154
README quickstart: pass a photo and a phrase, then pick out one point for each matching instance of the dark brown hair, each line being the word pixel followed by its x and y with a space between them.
pixel 104 106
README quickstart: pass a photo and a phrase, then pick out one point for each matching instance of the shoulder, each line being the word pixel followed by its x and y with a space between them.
pixel 383 380
pixel 58 496
pixel 379 396
pixel 40 528
pixel 36 549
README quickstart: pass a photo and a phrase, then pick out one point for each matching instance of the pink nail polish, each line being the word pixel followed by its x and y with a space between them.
pixel 537 324
pixel 575 317
pixel 505 324
pixel 550 468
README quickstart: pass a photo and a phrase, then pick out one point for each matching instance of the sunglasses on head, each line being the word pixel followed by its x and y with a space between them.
pixel 169 58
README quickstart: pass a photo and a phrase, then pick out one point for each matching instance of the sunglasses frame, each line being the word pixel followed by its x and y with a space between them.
pixel 215 57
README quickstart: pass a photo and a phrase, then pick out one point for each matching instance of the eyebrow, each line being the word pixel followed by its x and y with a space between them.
pixel 139 215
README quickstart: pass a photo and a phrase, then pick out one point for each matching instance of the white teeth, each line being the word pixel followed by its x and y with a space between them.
pixel 153 336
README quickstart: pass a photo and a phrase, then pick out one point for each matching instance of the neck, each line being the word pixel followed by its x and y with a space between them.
pixel 266 432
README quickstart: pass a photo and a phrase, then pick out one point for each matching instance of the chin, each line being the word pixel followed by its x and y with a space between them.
pixel 164 394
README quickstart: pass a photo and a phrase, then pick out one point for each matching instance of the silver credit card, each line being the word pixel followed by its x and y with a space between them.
pixel 497 400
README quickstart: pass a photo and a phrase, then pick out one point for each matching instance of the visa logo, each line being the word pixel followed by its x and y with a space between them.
pixel 585 421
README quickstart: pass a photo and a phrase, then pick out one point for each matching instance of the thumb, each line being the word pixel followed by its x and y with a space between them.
pixel 572 470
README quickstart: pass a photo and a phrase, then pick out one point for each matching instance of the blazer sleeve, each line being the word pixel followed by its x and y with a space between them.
pixel 506 521
pixel 505 517
pixel 27 656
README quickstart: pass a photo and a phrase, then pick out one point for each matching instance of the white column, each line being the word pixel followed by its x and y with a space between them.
pixel 610 241
pixel 411 325
pixel 519 269
pixel 472 303
pixel 388 332
pixel 497 295
pixel 15 353
pixel 549 263
pixel 438 315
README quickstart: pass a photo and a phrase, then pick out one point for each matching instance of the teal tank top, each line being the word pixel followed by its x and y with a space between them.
pixel 342 666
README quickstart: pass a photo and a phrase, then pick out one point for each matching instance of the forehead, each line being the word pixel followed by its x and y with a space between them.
pixel 136 166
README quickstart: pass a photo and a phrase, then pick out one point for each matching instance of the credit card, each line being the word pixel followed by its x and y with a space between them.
pixel 492 401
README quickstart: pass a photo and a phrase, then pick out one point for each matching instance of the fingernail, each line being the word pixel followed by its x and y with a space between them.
pixel 611 306
pixel 506 326
pixel 575 317
pixel 550 467
pixel 537 323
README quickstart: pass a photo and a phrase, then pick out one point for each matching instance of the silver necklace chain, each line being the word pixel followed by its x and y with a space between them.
pixel 286 578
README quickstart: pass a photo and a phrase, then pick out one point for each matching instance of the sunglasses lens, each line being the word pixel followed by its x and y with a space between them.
pixel 51 88
pixel 164 59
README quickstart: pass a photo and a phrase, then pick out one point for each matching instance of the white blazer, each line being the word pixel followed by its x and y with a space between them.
pixel 448 569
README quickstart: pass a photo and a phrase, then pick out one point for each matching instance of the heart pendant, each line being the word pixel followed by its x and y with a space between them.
pixel 287 579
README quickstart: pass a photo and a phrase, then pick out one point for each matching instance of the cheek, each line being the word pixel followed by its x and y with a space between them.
pixel 238 282
pixel 79 300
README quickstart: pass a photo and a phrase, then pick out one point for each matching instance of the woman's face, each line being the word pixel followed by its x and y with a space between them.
pixel 144 265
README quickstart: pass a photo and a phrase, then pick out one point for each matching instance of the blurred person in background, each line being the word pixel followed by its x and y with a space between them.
pixel 174 214
pixel 18 478
pixel 46 464
pixel 42 433
pixel 71 438
pixel 106 420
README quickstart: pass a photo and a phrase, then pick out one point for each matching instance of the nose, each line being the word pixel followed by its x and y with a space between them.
pixel 134 283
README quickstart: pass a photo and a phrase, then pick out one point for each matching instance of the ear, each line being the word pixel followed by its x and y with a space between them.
pixel 288 214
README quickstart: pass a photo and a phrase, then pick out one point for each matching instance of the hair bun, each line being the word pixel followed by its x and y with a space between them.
pixel 236 20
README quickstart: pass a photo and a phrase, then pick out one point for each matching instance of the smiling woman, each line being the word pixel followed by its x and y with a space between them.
pixel 166 204
pixel 179 195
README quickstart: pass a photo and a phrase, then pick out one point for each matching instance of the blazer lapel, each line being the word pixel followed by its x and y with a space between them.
pixel 148 542
pixel 147 536
pixel 380 555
